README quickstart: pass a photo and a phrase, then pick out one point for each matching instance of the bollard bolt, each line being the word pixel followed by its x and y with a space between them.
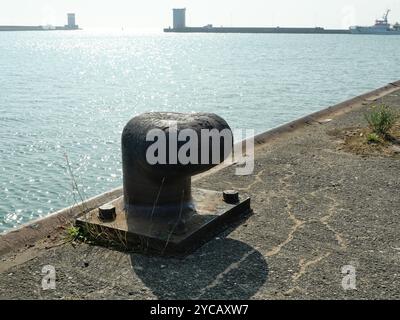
pixel 107 212
pixel 231 196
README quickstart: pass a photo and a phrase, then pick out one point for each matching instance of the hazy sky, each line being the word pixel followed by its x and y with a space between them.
pixel 157 13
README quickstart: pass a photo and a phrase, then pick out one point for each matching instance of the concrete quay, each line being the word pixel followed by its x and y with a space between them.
pixel 317 209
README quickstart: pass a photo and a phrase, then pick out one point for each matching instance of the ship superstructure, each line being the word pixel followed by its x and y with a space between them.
pixel 381 26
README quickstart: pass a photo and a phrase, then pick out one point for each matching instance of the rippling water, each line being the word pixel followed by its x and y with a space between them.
pixel 69 94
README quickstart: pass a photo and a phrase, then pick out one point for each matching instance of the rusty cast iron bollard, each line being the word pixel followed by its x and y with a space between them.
pixel 162 192
pixel 160 212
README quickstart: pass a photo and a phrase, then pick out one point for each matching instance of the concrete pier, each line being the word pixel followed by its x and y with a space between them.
pixel 71 25
pixel 317 209
pixel 179 26
pixel 256 30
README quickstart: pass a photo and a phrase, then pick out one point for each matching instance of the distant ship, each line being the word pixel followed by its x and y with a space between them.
pixel 382 26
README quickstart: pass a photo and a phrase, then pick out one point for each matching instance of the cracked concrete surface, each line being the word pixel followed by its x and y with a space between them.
pixel 316 209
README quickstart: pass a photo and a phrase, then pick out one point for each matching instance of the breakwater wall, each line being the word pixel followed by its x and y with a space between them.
pixel 21 28
pixel 34 28
pixel 256 30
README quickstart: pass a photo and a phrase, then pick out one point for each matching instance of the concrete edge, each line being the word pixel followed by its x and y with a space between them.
pixel 40 228
pixel 331 111
pixel 287 128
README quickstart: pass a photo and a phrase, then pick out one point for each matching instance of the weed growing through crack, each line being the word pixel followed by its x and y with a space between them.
pixel 381 120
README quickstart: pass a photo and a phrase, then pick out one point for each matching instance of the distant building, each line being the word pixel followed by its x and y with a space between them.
pixel 179 18
pixel 71 21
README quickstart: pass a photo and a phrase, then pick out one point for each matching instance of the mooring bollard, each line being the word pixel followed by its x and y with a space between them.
pixel 157 185
pixel 160 212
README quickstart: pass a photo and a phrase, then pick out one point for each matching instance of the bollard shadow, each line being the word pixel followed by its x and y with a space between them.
pixel 222 269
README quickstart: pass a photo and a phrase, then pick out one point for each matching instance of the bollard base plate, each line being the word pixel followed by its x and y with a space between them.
pixel 213 215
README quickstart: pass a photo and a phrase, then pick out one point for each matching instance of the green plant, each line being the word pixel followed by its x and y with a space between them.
pixel 373 138
pixel 76 233
pixel 381 119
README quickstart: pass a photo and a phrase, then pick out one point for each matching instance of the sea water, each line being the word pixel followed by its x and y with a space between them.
pixel 66 96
